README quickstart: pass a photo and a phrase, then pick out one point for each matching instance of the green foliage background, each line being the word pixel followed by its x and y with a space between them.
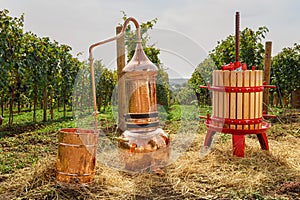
pixel 33 69
pixel 285 71
pixel 251 48
pixel 38 72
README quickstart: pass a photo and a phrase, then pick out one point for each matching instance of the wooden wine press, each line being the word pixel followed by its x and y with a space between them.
pixel 237 95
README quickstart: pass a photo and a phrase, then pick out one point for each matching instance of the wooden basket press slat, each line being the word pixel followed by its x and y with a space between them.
pixel 252 99
pixel 221 97
pixel 226 78
pixel 233 98
pixel 259 81
pixel 246 110
pixel 215 97
pixel 239 101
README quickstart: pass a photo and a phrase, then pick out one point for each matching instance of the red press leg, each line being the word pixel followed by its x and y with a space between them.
pixel 238 145
pixel 263 140
pixel 208 138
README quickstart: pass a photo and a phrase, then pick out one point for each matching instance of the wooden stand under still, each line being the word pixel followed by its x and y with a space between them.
pixel 237 108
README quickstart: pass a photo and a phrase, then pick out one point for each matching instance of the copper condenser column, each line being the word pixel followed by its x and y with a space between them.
pixel 144 145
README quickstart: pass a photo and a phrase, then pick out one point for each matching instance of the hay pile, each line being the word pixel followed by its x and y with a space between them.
pixel 219 175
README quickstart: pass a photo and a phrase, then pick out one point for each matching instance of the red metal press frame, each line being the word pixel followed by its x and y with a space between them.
pixel 238 136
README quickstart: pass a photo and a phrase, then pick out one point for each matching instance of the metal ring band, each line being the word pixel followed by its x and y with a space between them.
pixel 156 124
pixel 141 116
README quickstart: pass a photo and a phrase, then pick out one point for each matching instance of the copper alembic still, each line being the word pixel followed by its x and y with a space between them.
pixel 143 145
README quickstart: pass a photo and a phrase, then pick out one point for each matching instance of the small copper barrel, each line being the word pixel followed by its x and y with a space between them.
pixel 76 158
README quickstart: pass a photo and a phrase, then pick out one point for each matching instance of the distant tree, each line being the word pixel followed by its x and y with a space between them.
pixel 251 48
pixel 285 71
pixel 251 53
pixel 185 96
pixel 65 78
pixel 32 68
pixel 107 81
pixel 11 52
pixel 201 75
pixel 33 62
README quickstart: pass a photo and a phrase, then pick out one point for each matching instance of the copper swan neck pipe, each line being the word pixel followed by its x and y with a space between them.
pixel 92 70
pixel 119 35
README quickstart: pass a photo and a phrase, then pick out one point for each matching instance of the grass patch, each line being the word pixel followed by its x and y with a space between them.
pixel 25 142
pixel 28 167
pixel 260 175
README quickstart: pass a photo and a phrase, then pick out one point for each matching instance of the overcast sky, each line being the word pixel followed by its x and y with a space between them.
pixel 186 28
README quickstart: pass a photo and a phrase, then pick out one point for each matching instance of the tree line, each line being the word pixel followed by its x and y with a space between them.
pixel 285 66
pixel 34 71
pixel 38 73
